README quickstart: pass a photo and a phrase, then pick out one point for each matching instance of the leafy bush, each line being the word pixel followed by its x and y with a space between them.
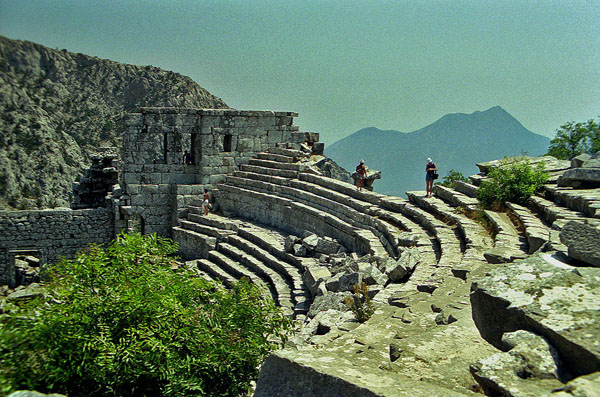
pixel 512 181
pixel 453 176
pixel 126 321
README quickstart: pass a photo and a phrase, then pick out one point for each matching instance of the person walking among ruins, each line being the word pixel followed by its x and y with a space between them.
pixel 361 169
pixel 430 176
pixel 206 202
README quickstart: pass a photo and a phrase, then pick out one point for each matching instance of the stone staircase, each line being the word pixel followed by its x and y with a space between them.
pixel 227 249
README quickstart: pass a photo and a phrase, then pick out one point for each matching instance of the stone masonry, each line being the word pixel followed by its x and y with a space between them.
pixel 155 179
pixel 50 233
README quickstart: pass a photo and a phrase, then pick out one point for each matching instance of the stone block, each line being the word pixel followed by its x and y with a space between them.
pixel 313 276
pixel 583 241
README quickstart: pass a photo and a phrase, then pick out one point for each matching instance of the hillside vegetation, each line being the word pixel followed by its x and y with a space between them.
pixel 58 107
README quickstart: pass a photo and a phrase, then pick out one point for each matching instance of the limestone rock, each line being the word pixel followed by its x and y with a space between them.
pixel 299 250
pixel 344 281
pixel 310 242
pixel 289 242
pixel 313 276
pixel 578 161
pixel 331 169
pixel 583 241
pixel 328 301
pixel 542 295
pixel 326 245
pixel 584 386
pixel 399 269
pixel 530 368
pixel 371 275
pixel 578 177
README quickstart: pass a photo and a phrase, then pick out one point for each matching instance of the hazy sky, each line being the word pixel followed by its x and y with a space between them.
pixel 346 65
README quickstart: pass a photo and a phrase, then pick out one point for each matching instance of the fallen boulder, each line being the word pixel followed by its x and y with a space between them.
pixel 542 295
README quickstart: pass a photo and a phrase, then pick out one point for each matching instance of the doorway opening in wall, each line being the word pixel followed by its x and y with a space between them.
pixel 227 139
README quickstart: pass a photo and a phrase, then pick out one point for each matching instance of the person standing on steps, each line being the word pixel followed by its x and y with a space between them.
pixel 361 169
pixel 430 175
pixel 206 202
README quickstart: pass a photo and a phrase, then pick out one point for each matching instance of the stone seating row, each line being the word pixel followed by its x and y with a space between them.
pixel 295 217
pixel 509 245
pixel 473 234
pixel 348 210
pixel 229 256
pixel 586 201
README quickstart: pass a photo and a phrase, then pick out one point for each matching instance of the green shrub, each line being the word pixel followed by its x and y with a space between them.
pixel 513 181
pixel 127 321
pixel 362 307
pixel 453 176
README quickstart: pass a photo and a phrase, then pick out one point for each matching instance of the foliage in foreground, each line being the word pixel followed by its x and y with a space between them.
pixel 121 321
pixel 513 181
pixel 451 177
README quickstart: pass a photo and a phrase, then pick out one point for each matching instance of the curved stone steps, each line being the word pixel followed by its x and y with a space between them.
pixel 296 154
pixel 193 245
pixel 347 189
pixel 269 171
pixel 474 235
pixel 465 188
pixel 295 218
pixel 281 276
pixel 277 165
pixel 275 157
pixel 240 263
pixel 215 272
pixel 194 225
pixel 586 201
pixel 263 238
pixel 289 273
pixel 213 219
pixel 340 211
pixel 456 198
pixel 537 233
pixel 347 208
pixel 553 214
pixel 193 266
pixel 509 243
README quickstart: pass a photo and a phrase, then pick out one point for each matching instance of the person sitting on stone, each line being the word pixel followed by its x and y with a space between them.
pixel 361 169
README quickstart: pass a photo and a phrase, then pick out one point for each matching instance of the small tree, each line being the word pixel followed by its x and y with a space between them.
pixel 572 139
pixel 127 321
pixel 512 181
pixel 453 176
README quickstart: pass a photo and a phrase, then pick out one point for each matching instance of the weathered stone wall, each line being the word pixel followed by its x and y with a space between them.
pixel 52 233
pixel 219 141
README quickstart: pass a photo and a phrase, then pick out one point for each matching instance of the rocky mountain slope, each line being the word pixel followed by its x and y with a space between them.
pixel 455 141
pixel 59 107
